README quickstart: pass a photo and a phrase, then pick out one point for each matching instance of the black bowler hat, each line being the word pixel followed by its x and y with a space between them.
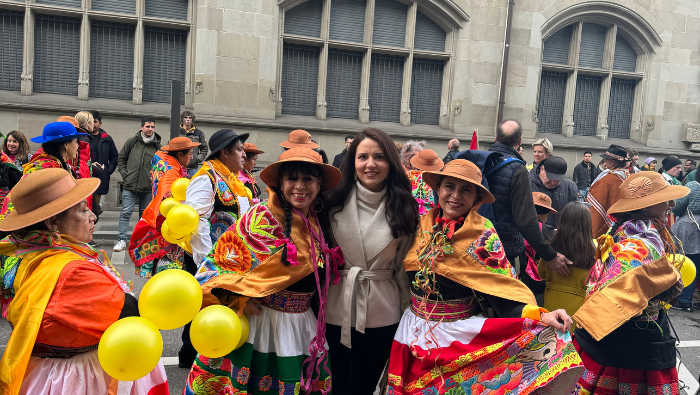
pixel 222 138
pixel 615 152
pixel 555 167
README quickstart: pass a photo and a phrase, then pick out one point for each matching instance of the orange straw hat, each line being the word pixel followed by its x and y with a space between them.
pixel 179 144
pixel 299 138
pixel 43 194
pixel 462 169
pixel 427 160
pixel 543 200
pixel 251 148
pixel 68 119
pixel 645 189
pixel 331 175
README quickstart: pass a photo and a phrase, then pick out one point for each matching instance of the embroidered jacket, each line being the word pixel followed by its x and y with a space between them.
pixel 421 192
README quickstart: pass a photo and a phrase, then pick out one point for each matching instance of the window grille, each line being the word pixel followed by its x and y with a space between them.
pixel 625 56
pixel 299 79
pixel 64 3
pixel 556 47
pixel 620 108
pixel 550 108
pixel 163 62
pixel 343 83
pixel 304 19
pixel 168 9
pixel 385 81
pixel 429 35
pixel 11 47
pixel 592 45
pixel 586 105
pixel 389 23
pixel 112 60
pixel 348 20
pixel 56 54
pixel 120 6
pixel 426 91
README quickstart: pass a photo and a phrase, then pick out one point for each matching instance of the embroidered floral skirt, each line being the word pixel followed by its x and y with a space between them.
pixel 605 380
pixel 270 362
pixel 148 249
pixel 474 356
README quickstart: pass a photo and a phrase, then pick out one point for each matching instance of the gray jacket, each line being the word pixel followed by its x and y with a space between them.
pixel 561 195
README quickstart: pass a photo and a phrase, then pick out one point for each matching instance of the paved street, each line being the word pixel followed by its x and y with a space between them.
pixel 687 325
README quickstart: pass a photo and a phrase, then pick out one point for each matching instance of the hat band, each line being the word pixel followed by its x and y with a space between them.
pixel 618 157
pixel 45 195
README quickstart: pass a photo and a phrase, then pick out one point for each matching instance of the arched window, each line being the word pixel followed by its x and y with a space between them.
pixel 590 72
pixel 372 60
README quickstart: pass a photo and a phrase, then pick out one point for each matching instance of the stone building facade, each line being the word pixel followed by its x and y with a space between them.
pixel 582 73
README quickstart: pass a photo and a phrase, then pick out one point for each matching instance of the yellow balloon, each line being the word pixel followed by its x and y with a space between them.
pixel 130 348
pixel 170 299
pixel 179 188
pixel 182 219
pixel 685 266
pixel 185 245
pixel 167 204
pixel 245 330
pixel 168 234
pixel 215 331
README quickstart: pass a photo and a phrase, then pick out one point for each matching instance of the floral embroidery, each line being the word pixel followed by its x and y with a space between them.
pixel 243 376
pixel 259 229
pixel 499 380
pixel 231 253
pixel 421 192
pixel 488 250
pixel 265 383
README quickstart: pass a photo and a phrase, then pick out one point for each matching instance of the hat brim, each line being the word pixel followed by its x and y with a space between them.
pixel 253 151
pixel 551 210
pixel 331 175
pixel 422 166
pixel 555 177
pixel 41 139
pixel 289 144
pixel 168 149
pixel 83 189
pixel 670 192
pixel 432 178
pixel 242 137
pixel 606 156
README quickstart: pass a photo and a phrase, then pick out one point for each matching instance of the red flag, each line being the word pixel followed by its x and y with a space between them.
pixel 475 142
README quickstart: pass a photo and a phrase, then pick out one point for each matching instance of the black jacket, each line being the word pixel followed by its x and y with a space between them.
pixel 561 195
pixel 339 158
pixel 514 208
pixel 451 155
pixel 585 174
pixel 198 153
pixel 103 151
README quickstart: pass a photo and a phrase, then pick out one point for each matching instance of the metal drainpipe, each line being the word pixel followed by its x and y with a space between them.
pixel 504 71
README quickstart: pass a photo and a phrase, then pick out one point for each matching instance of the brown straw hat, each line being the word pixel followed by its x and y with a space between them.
pixel 43 194
pixel 427 160
pixel 251 148
pixel 299 138
pixel 645 189
pixel 462 169
pixel 331 175
pixel 68 119
pixel 543 200
pixel 179 144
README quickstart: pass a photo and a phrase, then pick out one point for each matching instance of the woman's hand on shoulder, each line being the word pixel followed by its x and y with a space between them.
pixel 558 319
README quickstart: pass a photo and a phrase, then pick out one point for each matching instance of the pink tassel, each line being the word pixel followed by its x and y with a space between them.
pixel 292 253
pixel 336 256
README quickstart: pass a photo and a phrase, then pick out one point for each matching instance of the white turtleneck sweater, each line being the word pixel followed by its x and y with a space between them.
pixel 367 204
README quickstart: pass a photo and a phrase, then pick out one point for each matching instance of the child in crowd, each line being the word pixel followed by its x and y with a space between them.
pixel 572 239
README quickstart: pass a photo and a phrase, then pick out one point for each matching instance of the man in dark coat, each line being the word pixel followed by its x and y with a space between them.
pixel 339 158
pixel 584 175
pixel 103 154
pixel 514 208
pixel 549 177
pixel 452 150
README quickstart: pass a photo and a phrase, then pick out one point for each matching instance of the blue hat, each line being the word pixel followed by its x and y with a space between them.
pixel 58 131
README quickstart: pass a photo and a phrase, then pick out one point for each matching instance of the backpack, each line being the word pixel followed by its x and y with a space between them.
pixel 488 162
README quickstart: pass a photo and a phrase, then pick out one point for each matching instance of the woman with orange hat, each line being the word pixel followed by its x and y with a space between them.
pixel 459 273
pixel 269 266
pixel 623 332
pixel 246 175
pixel 149 251
pixel 64 294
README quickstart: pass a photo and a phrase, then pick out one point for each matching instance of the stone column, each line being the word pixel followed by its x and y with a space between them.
pixel 189 68
pixel 321 103
pixel 366 64
pixel 637 134
pixel 84 73
pixel 27 82
pixel 567 128
pixel 445 120
pixel 602 127
pixel 408 66
pixel 137 97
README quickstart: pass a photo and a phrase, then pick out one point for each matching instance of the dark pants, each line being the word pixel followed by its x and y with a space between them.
pixel 187 352
pixel 357 370
pixel 686 297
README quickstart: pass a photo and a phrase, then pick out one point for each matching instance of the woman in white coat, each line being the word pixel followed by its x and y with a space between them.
pixel 373 218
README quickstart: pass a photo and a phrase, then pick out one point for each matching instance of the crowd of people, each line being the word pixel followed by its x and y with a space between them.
pixel 390 268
